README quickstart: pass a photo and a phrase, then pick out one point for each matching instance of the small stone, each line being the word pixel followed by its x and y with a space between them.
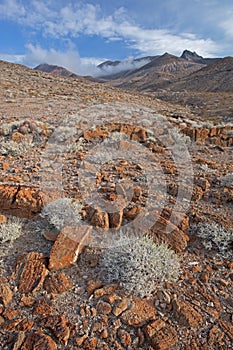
pixel 24 326
pixel 115 219
pixel 5 294
pixel 27 301
pixel 59 326
pixel 163 230
pixel 120 306
pixel 18 341
pixel 152 328
pixel 43 306
pixel 19 325
pixel 104 334
pixel 164 338
pixel 50 235
pixel 2 320
pixel 111 298
pixel 39 341
pixel 131 214
pixel 90 344
pixel 10 313
pixel 215 335
pixel 204 276
pixel 109 289
pixel 100 219
pixel 104 308
pixel 57 284
pixel 17 137
pixel 92 285
pixel 3 219
pixel 140 314
pixel 227 328
pixel 79 340
pixel 186 315
pixel 124 337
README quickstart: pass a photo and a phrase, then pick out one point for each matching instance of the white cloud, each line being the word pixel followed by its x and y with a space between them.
pixel 124 65
pixel 77 19
pixel 227 25
pixel 69 59
pixel 12 58
pixel 12 9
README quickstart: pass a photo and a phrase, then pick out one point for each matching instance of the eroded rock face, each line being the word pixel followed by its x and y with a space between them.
pixel 40 341
pixel 99 218
pixel 164 338
pixel 20 201
pixel 30 270
pixel 186 315
pixel 57 284
pixel 58 325
pixel 67 247
pixel 164 230
pixel 5 294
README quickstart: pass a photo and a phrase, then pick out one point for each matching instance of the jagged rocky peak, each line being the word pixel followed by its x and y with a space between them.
pixel 188 55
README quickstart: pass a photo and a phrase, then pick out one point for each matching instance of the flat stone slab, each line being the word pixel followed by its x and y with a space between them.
pixel 68 245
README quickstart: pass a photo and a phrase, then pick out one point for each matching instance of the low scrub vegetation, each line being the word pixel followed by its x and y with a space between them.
pixel 10 230
pixel 137 262
pixel 62 212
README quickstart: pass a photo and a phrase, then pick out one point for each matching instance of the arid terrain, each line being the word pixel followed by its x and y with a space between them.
pixel 166 166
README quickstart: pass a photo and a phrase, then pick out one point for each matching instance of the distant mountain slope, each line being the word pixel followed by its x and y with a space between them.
pixel 158 73
pixel 194 57
pixel 215 77
pixel 48 68
pixel 110 70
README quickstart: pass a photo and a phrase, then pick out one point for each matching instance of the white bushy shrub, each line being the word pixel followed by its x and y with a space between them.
pixel 115 136
pixel 137 262
pixel 12 148
pixel 215 237
pixel 10 230
pixel 178 136
pixel 62 212
pixel 227 180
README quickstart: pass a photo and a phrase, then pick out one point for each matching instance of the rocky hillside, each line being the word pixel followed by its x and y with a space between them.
pixel 194 57
pixel 217 77
pixel 48 68
pixel 84 166
pixel 159 73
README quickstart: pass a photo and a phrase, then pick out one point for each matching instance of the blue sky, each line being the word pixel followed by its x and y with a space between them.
pixel 80 34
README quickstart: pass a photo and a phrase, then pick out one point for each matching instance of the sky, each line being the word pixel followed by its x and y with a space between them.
pixel 79 35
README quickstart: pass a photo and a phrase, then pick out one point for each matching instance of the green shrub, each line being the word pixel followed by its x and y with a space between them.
pixel 137 262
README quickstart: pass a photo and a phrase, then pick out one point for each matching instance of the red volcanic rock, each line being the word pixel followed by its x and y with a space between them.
pixel 5 294
pixel 115 219
pixel 40 341
pixel 139 314
pixel 57 283
pixel 164 230
pixel 99 218
pixel 186 315
pixel 58 325
pixel 164 338
pixel 68 245
pixel 20 201
pixel 31 271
